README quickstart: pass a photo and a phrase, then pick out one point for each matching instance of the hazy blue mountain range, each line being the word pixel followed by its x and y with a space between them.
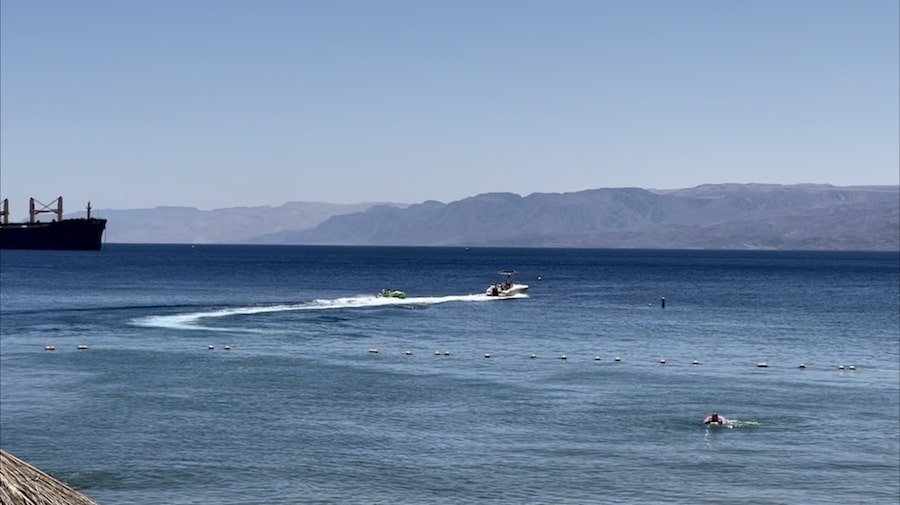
pixel 725 216
pixel 233 225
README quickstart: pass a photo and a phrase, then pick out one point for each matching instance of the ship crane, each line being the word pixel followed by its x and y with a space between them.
pixel 33 211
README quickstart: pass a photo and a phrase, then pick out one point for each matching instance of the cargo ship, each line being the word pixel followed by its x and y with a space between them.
pixel 81 234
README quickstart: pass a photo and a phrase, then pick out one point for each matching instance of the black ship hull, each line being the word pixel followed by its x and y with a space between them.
pixel 68 234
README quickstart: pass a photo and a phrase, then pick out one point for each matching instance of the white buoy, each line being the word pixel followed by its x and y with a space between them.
pixel 617 359
pixel 802 366
pixel 662 361
pixel 841 367
pixel 437 353
pixel 408 353
pixel 227 347
pixel 533 356
pixel 563 357
pixel 487 355
pixel 446 353
pixel 374 350
pixel 852 367
pixel 211 347
pixel 598 358
pixel 762 364
pixel 50 348
pixel 82 347
pixel 695 362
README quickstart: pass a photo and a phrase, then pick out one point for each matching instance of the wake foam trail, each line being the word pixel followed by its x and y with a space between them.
pixel 191 320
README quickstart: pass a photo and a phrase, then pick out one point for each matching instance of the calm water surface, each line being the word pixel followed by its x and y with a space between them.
pixel 299 411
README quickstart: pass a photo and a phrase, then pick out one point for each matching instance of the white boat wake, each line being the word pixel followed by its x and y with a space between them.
pixel 191 320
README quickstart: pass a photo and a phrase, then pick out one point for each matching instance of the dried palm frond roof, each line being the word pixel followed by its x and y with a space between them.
pixel 24 484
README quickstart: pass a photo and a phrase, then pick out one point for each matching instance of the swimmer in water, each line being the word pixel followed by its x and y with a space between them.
pixel 714 418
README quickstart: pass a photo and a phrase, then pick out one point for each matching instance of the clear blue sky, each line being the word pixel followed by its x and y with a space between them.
pixel 219 103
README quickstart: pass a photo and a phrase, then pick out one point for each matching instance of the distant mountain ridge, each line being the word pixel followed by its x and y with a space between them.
pixel 720 216
pixel 233 225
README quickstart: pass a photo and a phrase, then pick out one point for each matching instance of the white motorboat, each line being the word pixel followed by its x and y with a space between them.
pixel 509 287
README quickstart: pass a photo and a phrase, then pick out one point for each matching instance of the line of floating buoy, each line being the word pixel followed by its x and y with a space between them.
pixel 597 358
pixel 563 357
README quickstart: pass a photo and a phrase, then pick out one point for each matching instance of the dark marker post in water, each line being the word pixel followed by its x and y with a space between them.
pixel 662 302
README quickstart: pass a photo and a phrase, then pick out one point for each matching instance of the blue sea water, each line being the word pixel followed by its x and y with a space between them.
pixel 298 410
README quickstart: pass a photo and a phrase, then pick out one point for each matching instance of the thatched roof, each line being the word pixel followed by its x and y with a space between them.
pixel 23 484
